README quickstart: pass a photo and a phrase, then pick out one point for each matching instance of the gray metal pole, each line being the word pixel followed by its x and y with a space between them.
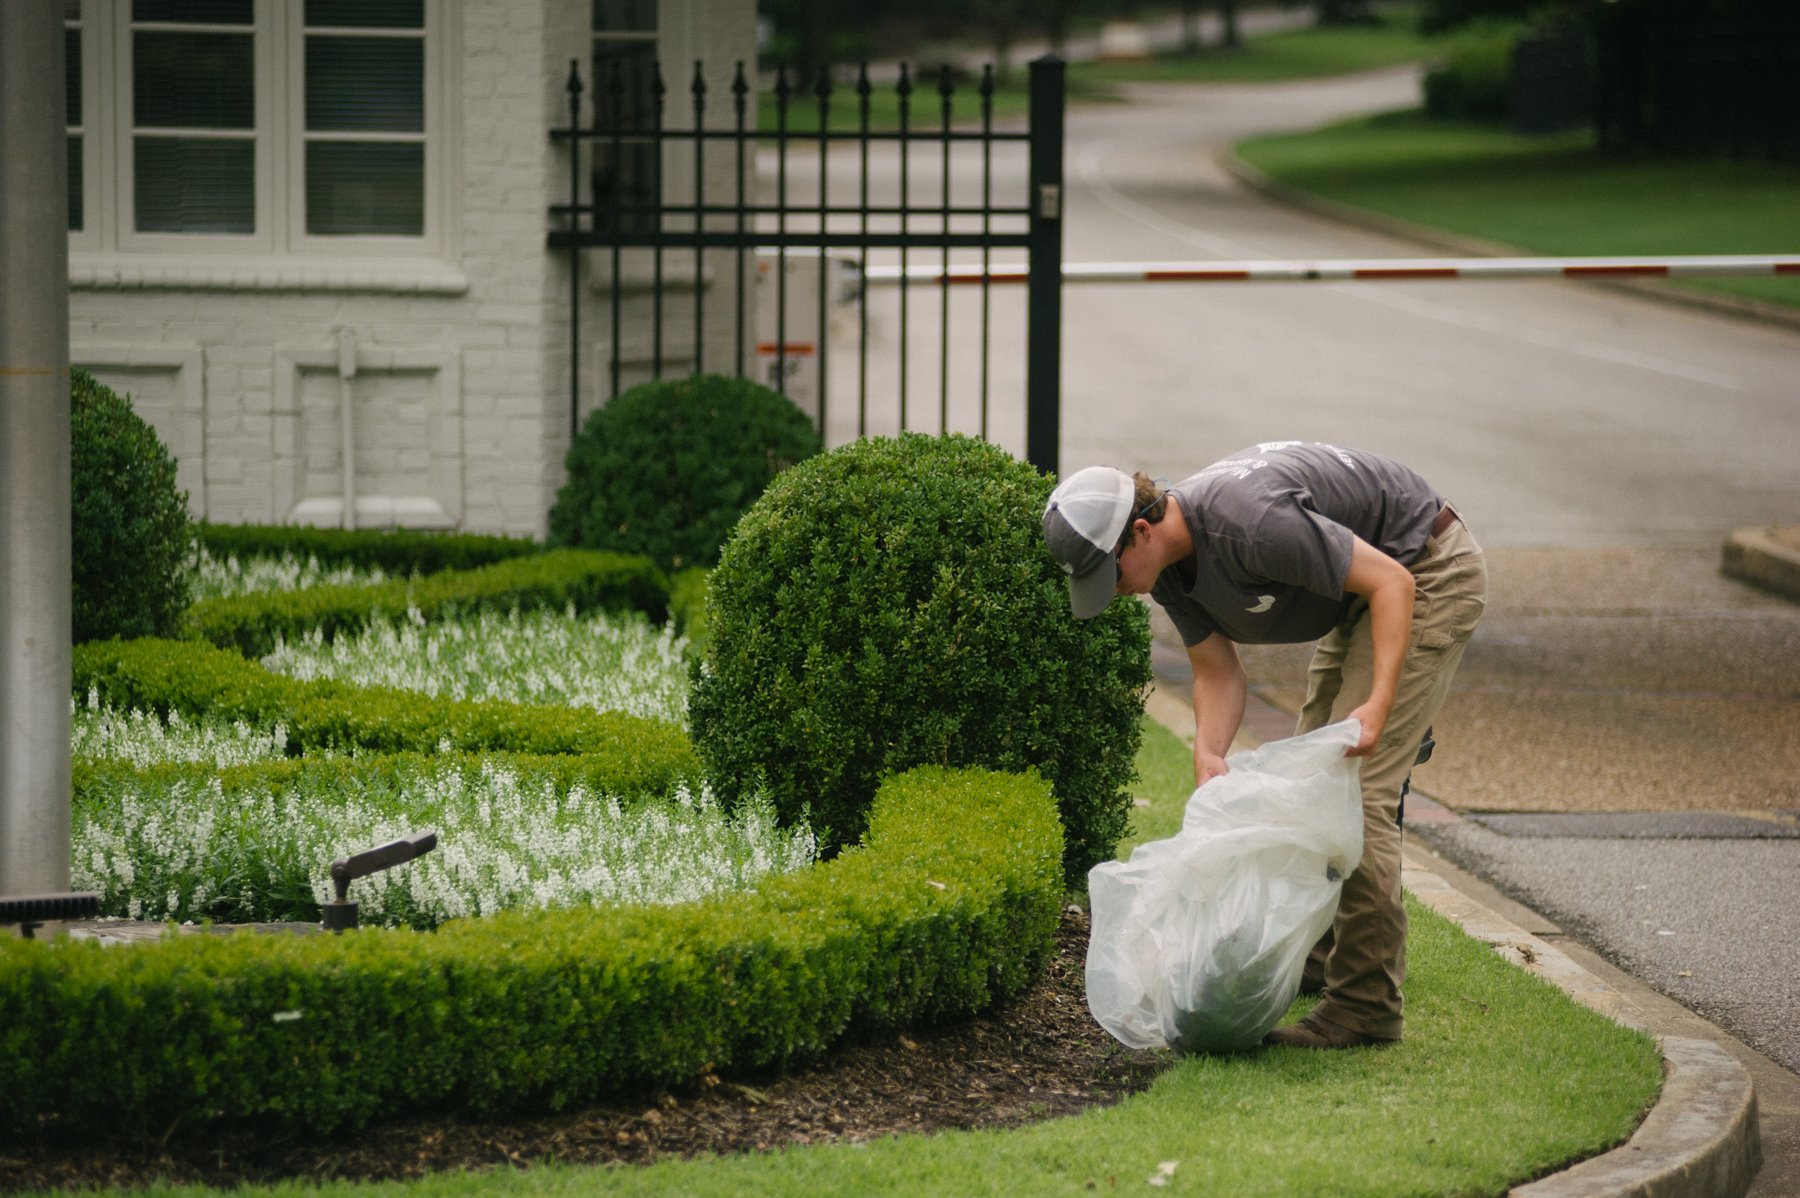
pixel 35 525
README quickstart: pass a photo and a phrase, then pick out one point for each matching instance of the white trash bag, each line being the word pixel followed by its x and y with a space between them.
pixel 1197 942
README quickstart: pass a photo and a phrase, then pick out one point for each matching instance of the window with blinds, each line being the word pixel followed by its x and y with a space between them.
pixel 365 117
pixel 75 116
pixel 627 171
pixel 263 124
pixel 193 116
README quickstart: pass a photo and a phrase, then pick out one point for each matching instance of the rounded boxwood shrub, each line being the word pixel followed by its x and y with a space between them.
pixel 667 468
pixel 892 604
pixel 1474 82
pixel 133 540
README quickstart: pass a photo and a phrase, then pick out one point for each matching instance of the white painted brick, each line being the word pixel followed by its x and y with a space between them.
pixel 508 329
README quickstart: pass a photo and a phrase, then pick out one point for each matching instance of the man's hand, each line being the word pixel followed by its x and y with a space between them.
pixel 1388 587
pixel 1220 688
pixel 1373 719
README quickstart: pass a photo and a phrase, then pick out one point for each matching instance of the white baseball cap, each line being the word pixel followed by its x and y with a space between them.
pixel 1083 522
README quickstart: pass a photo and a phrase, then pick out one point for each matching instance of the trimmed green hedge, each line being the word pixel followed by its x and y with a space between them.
pixel 891 604
pixel 197 679
pixel 588 579
pixel 688 593
pixel 950 904
pixel 394 550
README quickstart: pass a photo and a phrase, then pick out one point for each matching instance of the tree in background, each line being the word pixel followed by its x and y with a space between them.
pixel 1228 13
pixel 1056 16
pixel 1442 16
pixel 810 35
pixel 1684 77
pixel 1346 12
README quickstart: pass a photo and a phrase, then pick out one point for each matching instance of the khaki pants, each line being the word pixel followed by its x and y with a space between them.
pixel 1365 952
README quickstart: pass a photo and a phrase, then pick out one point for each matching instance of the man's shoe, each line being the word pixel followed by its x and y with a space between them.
pixel 1317 1033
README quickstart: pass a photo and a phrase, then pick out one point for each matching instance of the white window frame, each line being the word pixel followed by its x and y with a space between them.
pixel 262 133
pixel 96 175
pixel 109 217
pixel 432 139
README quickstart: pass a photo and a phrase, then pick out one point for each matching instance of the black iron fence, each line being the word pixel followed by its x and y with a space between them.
pixel 676 210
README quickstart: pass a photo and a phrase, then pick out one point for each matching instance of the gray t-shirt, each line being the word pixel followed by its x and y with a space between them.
pixel 1272 527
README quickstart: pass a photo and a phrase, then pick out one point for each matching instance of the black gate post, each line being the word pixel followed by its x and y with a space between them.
pixel 1043 310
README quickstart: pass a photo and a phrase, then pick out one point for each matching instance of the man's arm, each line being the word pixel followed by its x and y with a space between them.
pixel 1219 689
pixel 1388 586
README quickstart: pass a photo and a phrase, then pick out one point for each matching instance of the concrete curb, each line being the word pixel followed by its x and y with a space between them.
pixel 1765 557
pixel 1701 1140
pixel 1472 247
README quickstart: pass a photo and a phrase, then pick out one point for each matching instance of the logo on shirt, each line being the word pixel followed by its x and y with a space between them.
pixel 1268 601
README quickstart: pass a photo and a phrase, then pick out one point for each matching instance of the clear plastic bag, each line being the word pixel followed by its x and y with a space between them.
pixel 1197 941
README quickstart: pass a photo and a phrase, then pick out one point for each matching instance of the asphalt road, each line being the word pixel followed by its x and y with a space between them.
pixel 1656 906
pixel 1553 413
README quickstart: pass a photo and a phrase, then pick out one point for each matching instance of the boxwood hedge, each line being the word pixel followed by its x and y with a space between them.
pixel 396 551
pixel 195 679
pixel 891 604
pixel 949 904
pixel 132 542
pixel 588 579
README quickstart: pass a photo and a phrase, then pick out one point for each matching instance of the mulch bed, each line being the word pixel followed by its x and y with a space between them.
pixel 1037 1057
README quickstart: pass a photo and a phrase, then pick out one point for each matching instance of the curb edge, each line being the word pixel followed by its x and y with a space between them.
pixel 1763 558
pixel 1702 1137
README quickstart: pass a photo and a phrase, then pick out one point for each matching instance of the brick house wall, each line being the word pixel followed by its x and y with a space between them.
pixel 449 357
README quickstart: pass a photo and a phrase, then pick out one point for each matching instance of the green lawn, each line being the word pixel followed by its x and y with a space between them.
pixel 1500 1078
pixel 1555 196
pixel 1294 54
pixel 1307 53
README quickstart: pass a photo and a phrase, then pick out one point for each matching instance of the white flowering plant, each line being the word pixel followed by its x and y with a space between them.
pixel 608 661
pixel 99 730
pixel 173 846
pixel 161 842
pixel 217 577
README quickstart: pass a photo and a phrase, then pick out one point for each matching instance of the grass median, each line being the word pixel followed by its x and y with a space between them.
pixel 1500 1078
pixel 1311 52
pixel 1556 196
pixel 1283 56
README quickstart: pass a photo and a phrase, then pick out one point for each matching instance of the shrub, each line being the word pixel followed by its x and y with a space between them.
pixel 1475 80
pixel 667 468
pixel 395 551
pixel 950 906
pixel 687 607
pixel 590 581
pixel 133 541
pixel 199 680
pixel 891 604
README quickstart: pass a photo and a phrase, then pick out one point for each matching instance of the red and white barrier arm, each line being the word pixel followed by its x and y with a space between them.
pixel 1363 270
